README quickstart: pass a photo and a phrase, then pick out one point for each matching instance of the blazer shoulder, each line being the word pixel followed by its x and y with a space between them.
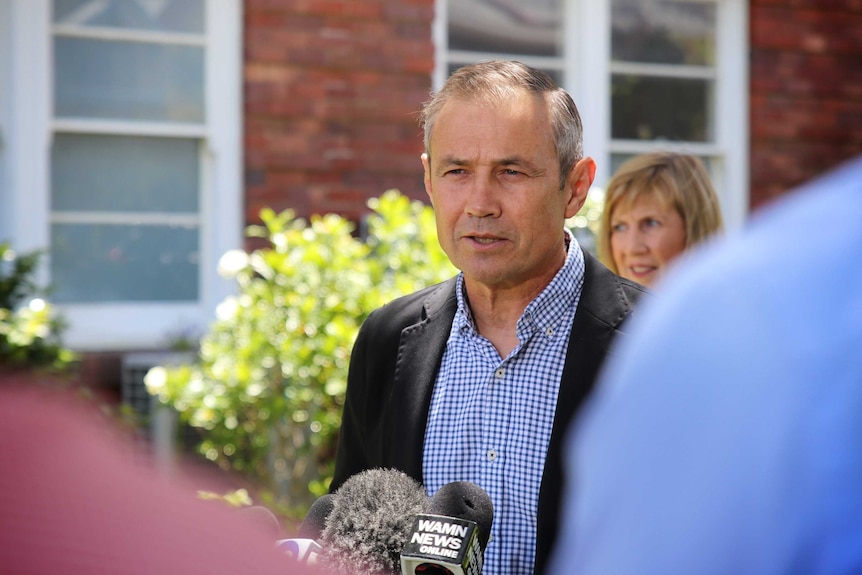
pixel 416 307
pixel 607 296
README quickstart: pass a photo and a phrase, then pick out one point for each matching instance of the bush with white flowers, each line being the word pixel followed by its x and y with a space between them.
pixel 268 387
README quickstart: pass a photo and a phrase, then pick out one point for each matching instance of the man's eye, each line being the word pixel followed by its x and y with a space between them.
pixel 511 172
pixel 454 172
pixel 652 223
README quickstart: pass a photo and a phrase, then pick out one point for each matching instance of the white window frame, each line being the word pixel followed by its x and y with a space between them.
pixel 5 117
pixel 27 145
pixel 586 64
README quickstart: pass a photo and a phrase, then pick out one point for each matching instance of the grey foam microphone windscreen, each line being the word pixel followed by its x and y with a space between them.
pixel 370 522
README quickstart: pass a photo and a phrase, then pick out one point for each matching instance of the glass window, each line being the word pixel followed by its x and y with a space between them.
pixel 155 15
pixel 96 173
pixel 103 263
pixel 663 67
pixel 660 109
pixel 662 58
pixel 664 86
pixel 111 79
pixel 121 158
pixel 125 183
pixel 644 73
pixel 663 32
pixel 506 26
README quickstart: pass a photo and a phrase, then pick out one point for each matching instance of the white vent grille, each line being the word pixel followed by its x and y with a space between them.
pixel 160 422
pixel 133 392
pixel 135 367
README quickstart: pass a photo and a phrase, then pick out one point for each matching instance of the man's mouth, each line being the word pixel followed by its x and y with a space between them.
pixel 483 240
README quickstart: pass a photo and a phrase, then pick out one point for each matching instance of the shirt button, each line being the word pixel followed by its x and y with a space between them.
pixel 492 455
pixel 500 373
pixel 549 332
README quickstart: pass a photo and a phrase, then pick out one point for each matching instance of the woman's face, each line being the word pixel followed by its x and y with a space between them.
pixel 646 235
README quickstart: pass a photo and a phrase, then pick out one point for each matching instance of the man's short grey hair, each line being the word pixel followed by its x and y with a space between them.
pixel 499 80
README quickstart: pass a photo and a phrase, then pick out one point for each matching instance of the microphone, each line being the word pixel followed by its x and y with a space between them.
pixel 450 538
pixel 305 548
pixel 263 518
pixel 370 521
pixel 315 519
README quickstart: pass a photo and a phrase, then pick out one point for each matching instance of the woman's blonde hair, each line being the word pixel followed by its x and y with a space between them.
pixel 679 181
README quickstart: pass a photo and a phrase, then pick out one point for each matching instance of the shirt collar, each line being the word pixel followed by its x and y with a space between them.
pixel 547 308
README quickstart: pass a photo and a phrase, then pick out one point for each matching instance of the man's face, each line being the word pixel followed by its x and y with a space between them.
pixel 494 181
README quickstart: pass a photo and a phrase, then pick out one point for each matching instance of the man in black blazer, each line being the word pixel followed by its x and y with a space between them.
pixel 504 168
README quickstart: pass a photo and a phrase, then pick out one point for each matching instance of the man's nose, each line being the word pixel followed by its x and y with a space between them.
pixel 483 200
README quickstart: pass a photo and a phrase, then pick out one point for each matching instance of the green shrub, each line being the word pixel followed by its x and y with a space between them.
pixel 585 224
pixel 268 388
pixel 30 330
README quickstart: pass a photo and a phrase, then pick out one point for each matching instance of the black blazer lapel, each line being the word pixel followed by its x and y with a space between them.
pixel 419 354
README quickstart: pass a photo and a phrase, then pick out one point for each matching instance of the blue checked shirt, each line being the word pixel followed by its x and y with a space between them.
pixel 490 419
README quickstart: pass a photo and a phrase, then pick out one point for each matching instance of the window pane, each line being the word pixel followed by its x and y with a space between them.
pixel 648 108
pixel 159 15
pixel 113 263
pixel 128 80
pixel 506 26
pixel 124 174
pixel 663 32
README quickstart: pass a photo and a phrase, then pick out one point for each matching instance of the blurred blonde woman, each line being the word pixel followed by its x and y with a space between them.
pixel 657 206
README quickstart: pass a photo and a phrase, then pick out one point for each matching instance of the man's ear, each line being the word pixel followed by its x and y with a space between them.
pixel 578 185
pixel 426 165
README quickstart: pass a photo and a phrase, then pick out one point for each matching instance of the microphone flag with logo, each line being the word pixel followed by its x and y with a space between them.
pixel 450 538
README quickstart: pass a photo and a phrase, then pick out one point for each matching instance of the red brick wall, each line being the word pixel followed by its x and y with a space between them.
pixel 806 90
pixel 332 89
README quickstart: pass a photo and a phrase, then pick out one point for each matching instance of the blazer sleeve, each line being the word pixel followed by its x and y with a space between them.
pixel 359 439
pixel 387 395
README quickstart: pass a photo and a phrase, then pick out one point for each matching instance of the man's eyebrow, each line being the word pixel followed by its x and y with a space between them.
pixel 514 161
pixel 523 163
pixel 505 161
pixel 452 160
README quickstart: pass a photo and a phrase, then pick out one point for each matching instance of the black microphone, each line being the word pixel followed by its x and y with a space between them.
pixel 305 546
pixel 451 536
pixel 370 521
pixel 315 520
